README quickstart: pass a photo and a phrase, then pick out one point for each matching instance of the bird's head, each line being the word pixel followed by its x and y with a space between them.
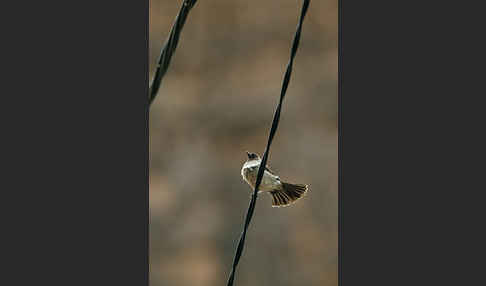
pixel 252 156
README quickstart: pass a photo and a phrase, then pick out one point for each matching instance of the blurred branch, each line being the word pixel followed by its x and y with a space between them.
pixel 273 130
pixel 169 48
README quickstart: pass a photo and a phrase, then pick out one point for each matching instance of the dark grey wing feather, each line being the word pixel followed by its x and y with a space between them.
pixel 266 169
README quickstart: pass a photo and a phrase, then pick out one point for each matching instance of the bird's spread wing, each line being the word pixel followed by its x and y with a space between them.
pixel 270 171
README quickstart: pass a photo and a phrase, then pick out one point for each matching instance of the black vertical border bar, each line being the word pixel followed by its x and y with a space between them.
pixel 75 202
pixel 146 280
pixel 393 86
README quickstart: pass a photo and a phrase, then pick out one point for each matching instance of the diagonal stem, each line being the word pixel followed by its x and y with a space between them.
pixel 169 48
pixel 273 130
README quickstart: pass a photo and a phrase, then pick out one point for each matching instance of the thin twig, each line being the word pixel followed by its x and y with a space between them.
pixel 273 130
pixel 169 48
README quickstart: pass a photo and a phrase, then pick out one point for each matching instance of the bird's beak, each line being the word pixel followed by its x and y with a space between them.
pixel 248 154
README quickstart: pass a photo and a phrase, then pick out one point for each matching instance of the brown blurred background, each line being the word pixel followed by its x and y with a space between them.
pixel 217 101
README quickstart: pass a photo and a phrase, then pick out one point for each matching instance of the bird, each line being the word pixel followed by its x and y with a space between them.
pixel 283 194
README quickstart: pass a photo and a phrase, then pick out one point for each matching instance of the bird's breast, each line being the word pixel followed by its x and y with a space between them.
pixel 269 182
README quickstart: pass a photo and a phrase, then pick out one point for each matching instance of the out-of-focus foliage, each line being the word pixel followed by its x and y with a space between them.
pixel 217 101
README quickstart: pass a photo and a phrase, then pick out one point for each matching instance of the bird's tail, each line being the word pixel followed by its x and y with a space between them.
pixel 288 194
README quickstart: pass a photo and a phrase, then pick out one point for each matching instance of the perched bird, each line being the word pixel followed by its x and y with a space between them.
pixel 283 194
